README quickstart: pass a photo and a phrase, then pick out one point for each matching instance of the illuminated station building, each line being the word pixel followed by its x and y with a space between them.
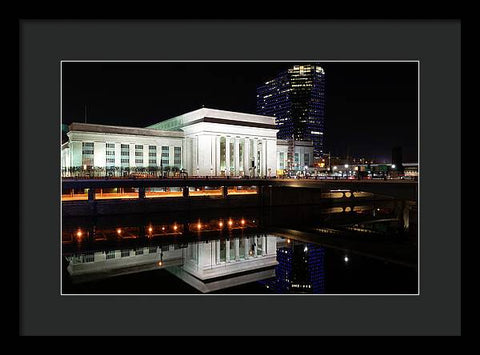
pixel 204 142
pixel 296 98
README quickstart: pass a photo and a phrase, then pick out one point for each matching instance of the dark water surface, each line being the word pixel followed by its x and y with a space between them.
pixel 366 248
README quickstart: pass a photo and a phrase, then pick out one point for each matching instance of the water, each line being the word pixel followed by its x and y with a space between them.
pixel 367 248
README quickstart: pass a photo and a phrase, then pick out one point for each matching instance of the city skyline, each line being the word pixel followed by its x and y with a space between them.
pixel 370 106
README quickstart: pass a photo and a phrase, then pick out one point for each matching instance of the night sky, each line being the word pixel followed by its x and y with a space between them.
pixel 370 107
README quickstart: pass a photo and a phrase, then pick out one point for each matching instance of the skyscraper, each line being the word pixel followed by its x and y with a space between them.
pixel 296 97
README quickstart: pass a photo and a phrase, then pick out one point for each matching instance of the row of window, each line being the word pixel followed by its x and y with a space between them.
pixel 88 152
pixel 281 158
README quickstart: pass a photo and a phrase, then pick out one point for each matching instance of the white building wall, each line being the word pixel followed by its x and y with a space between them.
pixel 99 149
pixel 76 153
pixel 146 158
pixel 202 259
pixel 77 137
pixel 271 161
pixel 132 155
pixel 117 154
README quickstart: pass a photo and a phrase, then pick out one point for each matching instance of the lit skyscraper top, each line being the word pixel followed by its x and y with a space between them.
pixel 296 97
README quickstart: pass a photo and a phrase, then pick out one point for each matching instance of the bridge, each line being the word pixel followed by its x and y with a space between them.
pixel 397 188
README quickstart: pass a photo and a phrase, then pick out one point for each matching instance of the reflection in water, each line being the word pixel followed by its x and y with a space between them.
pixel 235 252
pixel 300 269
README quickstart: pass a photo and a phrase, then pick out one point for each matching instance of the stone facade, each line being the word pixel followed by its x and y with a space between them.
pixel 204 142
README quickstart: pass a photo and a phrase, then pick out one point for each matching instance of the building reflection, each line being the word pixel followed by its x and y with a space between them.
pixel 207 265
pixel 214 254
pixel 300 269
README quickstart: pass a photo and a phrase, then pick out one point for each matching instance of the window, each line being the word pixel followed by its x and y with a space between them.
pixel 297 158
pixel 125 155
pixel 87 153
pixel 306 158
pixel 125 253
pixel 139 155
pixel 152 250
pixel 139 251
pixel 125 149
pixel 281 158
pixel 87 148
pixel 152 151
pixel 110 254
pixel 110 155
pixel 177 156
pixel 165 156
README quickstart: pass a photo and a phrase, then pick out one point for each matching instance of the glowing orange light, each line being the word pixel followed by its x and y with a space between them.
pixel 199 225
pixel 160 263
pixel 242 221
pixel 163 228
pixel 119 231
pixel 175 228
pixel 230 222
pixel 79 233
pixel 220 224
pixel 288 240
pixel 150 229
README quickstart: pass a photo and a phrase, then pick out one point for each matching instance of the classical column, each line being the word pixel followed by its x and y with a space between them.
pixel 217 155
pixel 217 249
pixel 254 154
pixel 264 157
pixel 255 247
pixel 227 156
pixel 247 248
pixel 237 249
pixel 264 245
pixel 246 156
pixel 236 150
pixel 227 251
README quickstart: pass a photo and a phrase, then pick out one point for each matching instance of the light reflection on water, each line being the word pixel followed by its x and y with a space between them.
pixel 233 253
